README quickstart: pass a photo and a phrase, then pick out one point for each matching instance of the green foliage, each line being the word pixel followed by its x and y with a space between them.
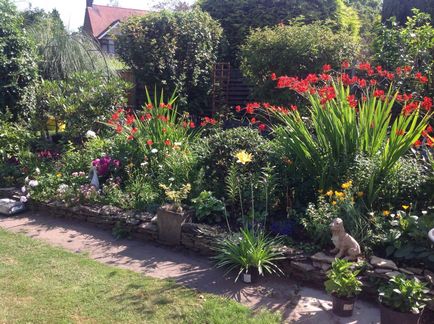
pixel 216 154
pixel 404 295
pixel 342 280
pixel 81 102
pixel 348 19
pixel 411 44
pixel 175 50
pixel 208 208
pixel 369 12
pixel 402 9
pixel 247 250
pixel 238 17
pixel 17 61
pixel 294 49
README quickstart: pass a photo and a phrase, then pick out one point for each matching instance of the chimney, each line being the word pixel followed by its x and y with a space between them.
pixel 89 3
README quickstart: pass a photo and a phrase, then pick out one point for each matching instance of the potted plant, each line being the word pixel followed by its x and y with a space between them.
pixel 402 300
pixel 251 252
pixel 343 285
pixel 171 216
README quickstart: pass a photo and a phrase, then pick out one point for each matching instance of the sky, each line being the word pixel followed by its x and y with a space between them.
pixel 72 11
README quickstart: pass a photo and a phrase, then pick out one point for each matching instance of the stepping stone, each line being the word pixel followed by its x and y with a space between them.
pixel 322 257
pixel 383 263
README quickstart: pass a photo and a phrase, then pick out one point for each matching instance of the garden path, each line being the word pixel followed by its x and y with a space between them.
pixel 298 304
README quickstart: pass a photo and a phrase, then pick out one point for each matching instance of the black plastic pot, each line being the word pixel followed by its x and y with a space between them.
pixel 343 306
pixel 390 316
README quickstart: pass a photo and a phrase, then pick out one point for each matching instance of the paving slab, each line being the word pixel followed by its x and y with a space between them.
pixel 297 304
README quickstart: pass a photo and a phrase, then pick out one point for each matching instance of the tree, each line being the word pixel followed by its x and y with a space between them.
pixel 17 61
pixel 174 5
pixel 401 9
pixel 173 50
pixel 238 17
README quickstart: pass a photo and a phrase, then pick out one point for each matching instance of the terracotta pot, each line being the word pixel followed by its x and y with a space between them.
pixel 390 316
pixel 343 306
pixel 169 225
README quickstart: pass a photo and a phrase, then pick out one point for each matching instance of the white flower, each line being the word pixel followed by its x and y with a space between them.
pixel 178 143
pixel 81 174
pixel 394 223
pixel 171 179
pixel 154 150
pixel 23 199
pixel 424 212
pixel 23 189
pixel 33 183
pixel 74 174
pixel 143 164
pixel 26 180
pixel 415 218
pixel 90 134
pixel 37 171
pixel 392 215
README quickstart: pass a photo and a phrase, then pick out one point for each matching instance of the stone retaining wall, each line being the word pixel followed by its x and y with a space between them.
pixel 201 238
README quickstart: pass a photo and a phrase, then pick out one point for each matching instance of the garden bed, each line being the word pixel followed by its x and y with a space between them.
pixel 202 238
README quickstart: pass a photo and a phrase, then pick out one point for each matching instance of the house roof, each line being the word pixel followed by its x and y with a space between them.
pixel 100 18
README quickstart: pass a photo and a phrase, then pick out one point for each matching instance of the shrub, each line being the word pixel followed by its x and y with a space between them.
pixel 295 49
pixel 238 17
pixel 250 249
pixel 342 281
pixel 18 68
pixel 81 102
pixel 175 50
pixel 404 295
pixel 216 154
pixel 208 208
pixel 402 9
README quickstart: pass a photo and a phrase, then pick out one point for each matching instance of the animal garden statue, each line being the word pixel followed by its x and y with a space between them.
pixel 345 245
pixel 93 175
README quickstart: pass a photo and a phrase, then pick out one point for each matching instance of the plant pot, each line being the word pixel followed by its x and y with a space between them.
pixel 391 316
pixel 169 225
pixel 250 277
pixel 343 306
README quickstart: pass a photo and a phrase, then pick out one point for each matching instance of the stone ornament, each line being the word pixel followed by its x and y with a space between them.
pixel 345 245
pixel 93 176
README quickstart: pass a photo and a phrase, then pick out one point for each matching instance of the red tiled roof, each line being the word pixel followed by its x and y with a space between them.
pixel 99 18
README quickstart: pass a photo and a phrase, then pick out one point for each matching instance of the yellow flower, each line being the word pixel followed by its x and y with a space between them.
pixel 405 207
pixel 58 174
pixel 329 193
pixel 360 194
pixel 347 185
pixel 320 191
pixel 386 213
pixel 334 203
pixel 243 157
pixel 339 194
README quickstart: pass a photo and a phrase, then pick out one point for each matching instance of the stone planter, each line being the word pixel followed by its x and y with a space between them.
pixel 390 316
pixel 169 225
pixel 343 306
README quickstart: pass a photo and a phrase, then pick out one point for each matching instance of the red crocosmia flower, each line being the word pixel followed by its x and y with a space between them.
pixel 262 127
pixel 253 120
pixel 400 132
pixel 119 129
pixel 212 121
pixel 312 78
pixel 162 105
pixel 364 98
pixel 362 83
pixel 345 64
pixel 192 124
pixel 167 142
pixel 326 77
pixel 378 93
pixel 326 68
pixel 120 110
pixel 130 119
pixel 407 69
pixel 203 123
pixel 184 124
pixel 273 76
pixel 352 101
pixel 365 67
pixel 169 106
pixel 398 70
pixel 130 138
pixel 429 129
pixel 390 76
pixel 238 109
pixel 134 130
pixel 149 142
pixel 417 144
pixel 294 108
pixel 164 130
pixel 148 116
pixel 379 68
pixel 115 116
pixel 142 118
pixel 427 103
pixel 149 106
pixel 408 109
pixel 421 78
pixel 429 142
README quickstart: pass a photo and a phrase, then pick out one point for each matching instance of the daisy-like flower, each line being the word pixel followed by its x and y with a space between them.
pixel 243 157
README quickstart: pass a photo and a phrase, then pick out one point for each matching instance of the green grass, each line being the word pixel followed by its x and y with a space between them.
pixel 44 284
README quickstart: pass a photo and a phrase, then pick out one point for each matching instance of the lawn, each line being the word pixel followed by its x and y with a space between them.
pixel 44 284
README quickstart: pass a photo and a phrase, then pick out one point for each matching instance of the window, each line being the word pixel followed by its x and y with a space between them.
pixel 108 45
